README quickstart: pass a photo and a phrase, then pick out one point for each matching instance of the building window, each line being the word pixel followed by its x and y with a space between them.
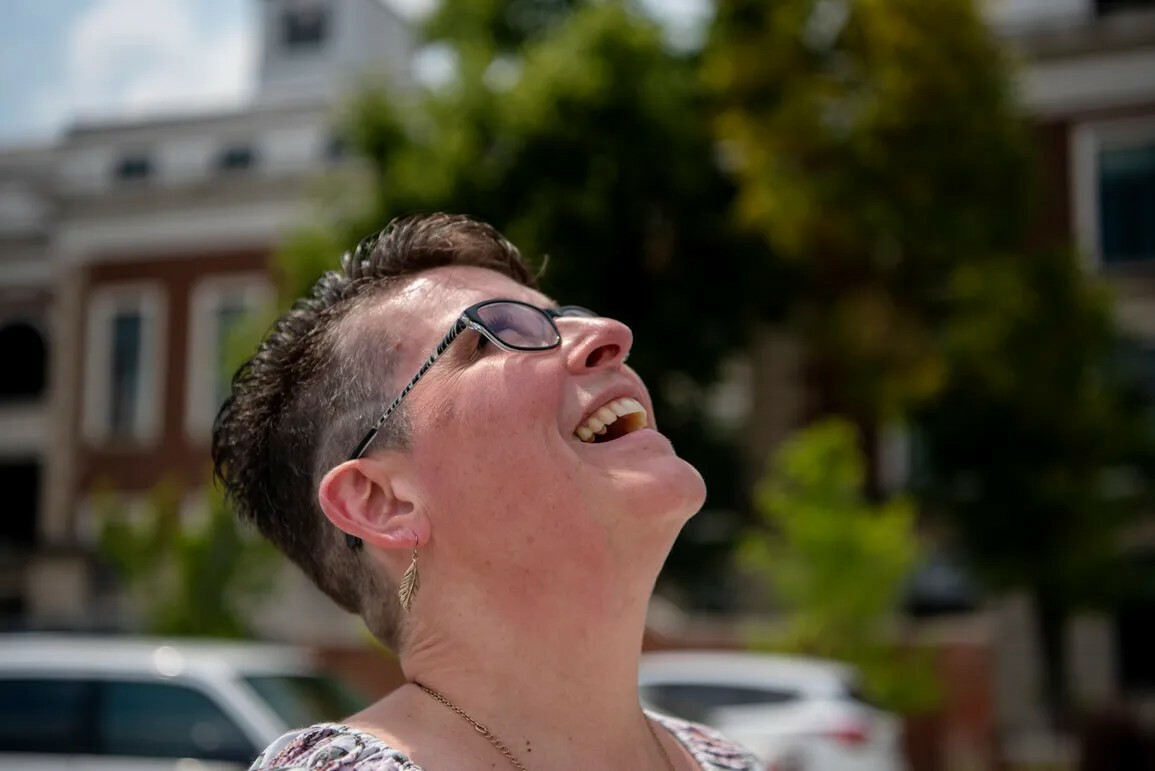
pixel 1113 191
pixel 1127 204
pixel 1104 7
pixel 237 158
pixel 220 307
pixel 134 168
pixel 25 356
pixel 127 363
pixel 1135 634
pixel 305 28
pixel 122 397
pixel 20 480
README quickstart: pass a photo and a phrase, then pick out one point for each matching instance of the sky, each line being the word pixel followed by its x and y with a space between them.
pixel 60 59
pixel 66 59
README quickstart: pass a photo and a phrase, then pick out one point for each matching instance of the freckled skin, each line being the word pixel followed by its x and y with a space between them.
pixel 498 466
pixel 538 552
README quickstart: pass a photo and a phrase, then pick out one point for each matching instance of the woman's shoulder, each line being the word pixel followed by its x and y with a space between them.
pixel 333 747
pixel 712 750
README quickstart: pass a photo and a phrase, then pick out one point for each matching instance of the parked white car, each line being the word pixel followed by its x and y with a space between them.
pixel 796 714
pixel 104 703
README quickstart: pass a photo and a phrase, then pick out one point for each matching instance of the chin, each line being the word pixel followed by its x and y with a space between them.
pixel 695 491
pixel 673 488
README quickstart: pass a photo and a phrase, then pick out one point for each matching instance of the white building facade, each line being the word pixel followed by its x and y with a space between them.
pixel 127 251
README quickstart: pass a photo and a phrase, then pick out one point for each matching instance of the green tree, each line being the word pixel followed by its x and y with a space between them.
pixel 483 30
pixel 836 564
pixel 198 577
pixel 1039 451
pixel 877 146
pixel 573 128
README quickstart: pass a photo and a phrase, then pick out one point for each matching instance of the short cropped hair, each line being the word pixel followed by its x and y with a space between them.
pixel 318 380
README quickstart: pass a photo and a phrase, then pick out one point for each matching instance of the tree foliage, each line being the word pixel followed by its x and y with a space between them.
pixel 876 145
pixel 835 563
pixel 187 577
pixel 597 153
pixel 492 28
pixel 1038 448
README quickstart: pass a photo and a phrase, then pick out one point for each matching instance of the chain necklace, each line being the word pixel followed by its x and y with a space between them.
pixel 501 747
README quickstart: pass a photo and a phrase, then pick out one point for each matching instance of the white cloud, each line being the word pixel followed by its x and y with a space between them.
pixel 127 57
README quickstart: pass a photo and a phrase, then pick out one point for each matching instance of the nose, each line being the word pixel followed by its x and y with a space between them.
pixel 594 343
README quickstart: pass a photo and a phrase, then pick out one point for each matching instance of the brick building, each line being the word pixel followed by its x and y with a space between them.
pixel 128 248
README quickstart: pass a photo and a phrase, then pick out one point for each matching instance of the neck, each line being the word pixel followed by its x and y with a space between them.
pixel 548 663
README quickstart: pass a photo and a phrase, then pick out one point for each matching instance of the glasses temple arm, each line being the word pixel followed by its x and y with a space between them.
pixel 363 445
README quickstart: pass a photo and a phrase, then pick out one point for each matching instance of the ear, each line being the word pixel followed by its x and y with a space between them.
pixel 367 498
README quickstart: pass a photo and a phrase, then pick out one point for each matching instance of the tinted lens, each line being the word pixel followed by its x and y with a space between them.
pixel 518 326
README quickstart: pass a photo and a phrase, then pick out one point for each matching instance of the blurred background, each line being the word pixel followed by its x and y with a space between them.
pixel 890 266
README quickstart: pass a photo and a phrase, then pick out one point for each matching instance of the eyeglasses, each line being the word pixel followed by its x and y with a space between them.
pixel 508 324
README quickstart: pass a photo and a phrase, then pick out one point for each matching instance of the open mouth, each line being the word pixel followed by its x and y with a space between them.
pixel 612 421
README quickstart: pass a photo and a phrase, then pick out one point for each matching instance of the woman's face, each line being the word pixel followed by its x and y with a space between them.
pixel 494 451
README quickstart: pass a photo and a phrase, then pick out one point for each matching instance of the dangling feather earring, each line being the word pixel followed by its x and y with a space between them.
pixel 410 583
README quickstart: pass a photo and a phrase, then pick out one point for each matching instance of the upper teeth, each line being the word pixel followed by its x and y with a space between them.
pixel 602 417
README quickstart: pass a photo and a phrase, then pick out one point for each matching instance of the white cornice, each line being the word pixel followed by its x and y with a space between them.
pixel 1090 82
pixel 255 114
pixel 190 231
pixel 25 275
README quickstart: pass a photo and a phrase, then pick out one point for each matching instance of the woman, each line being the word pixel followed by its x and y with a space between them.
pixel 475 470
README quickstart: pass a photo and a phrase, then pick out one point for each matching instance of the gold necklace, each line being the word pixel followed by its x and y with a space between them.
pixel 504 750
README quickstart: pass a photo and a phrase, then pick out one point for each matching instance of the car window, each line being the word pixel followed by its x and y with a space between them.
pixel 164 720
pixel 695 701
pixel 44 715
pixel 305 699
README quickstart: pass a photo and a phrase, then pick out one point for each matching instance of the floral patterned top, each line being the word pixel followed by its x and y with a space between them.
pixel 335 747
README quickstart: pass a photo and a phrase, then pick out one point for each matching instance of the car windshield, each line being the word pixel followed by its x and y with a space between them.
pixel 698 701
pixel 305 699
